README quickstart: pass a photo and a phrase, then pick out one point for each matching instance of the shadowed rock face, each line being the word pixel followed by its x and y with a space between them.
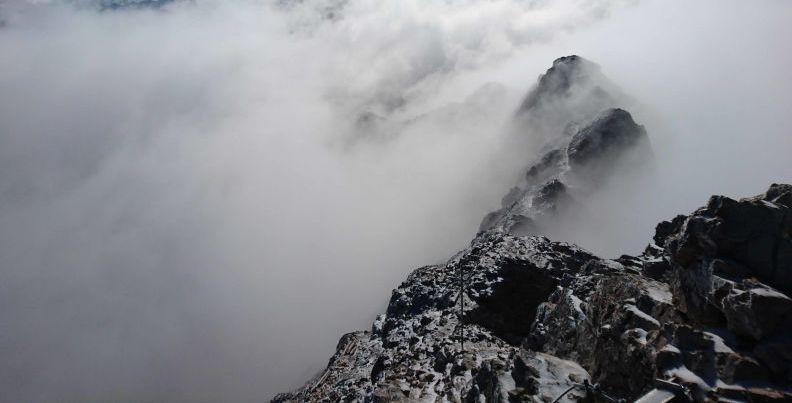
pixel 559 82
pixel 756 239
pixel 509 310
pixel 731 262
pixel 596 149
pixel 706 305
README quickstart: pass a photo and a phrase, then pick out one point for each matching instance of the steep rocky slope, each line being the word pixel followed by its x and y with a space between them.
pixel 702 314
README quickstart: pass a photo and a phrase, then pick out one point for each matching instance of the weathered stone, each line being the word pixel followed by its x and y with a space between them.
pixel 667 228
pixel 549 165
pixel 734 368
pixel 595 149
pixel 753 234
pixel 509 310
pixel 776 356
pixel 780 194
pixel 757 312
pixel 558 80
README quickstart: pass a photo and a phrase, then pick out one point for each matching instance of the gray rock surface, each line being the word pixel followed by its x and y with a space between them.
pixel 598 148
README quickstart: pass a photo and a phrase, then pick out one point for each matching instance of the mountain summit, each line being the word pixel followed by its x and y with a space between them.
pixel 559 81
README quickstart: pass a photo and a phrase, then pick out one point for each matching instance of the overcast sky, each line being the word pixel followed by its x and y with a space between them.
pixel 197 200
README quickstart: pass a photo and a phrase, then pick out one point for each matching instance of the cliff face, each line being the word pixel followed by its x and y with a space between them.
pixel 702 314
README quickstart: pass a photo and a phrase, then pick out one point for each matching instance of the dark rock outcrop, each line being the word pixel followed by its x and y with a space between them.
pixel 754 236
pixel 413 352
pixel 611 137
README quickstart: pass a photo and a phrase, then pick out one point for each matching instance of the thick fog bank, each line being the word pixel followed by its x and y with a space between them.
pixel 198 198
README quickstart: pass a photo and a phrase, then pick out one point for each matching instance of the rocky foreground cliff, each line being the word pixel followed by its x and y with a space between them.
pixel 703 314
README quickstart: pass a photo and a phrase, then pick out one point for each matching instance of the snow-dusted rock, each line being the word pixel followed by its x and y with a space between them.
pixel 600 147
pixel 757 311
pixel 414 352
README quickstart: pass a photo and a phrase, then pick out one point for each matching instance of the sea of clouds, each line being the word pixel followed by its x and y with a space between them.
pixel 197 198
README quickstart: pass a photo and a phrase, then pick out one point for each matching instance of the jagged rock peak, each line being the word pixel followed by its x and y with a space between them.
pixel 778 193
pixel 608 137
pixel 557 81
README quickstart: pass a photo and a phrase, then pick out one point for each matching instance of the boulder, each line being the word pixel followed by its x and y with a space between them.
pixel 754 233
pixel 757 311
pixel 611 138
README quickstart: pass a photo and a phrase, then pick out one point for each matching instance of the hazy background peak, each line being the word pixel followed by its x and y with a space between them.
pixel 197 199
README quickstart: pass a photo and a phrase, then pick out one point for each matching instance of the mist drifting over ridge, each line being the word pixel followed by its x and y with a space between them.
pixel 193 210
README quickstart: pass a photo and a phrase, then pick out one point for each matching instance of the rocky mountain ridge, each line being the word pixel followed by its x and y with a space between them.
pixel 701 315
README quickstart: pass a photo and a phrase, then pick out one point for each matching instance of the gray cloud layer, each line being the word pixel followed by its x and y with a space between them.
pixel 192 209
